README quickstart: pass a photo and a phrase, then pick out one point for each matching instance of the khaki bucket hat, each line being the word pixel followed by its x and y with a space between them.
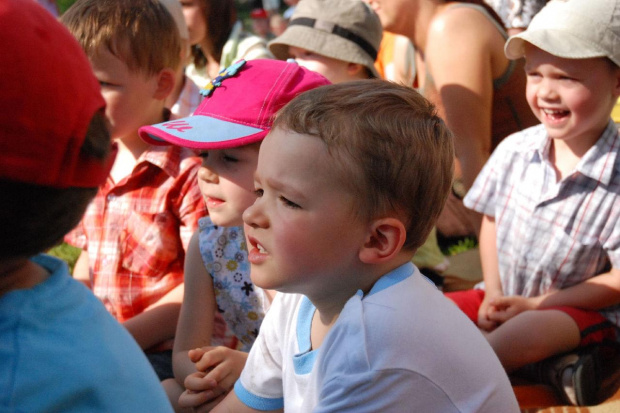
pixel 573 29
pixel 347 30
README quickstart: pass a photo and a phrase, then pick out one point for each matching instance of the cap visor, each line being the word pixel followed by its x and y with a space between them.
pixel 556 42
pixel 201 132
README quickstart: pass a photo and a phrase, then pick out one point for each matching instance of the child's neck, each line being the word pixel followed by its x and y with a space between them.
pixel 565 155
pixel 129 151
pixel 19 274
pixel 328 307
pixel 131 147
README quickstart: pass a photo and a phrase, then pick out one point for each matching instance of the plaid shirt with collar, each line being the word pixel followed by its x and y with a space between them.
pixel 552 235
pixel 136 232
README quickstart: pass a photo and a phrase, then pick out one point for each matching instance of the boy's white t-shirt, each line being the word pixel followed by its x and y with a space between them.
pixel 402 346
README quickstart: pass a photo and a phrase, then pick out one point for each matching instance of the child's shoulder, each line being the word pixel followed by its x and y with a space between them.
pixel 411 331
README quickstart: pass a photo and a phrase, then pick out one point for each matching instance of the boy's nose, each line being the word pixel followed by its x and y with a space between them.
pixel 254 217
pixel 207 175
pixel 546 91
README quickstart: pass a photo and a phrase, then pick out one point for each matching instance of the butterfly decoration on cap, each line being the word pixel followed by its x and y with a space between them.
pixel 230 71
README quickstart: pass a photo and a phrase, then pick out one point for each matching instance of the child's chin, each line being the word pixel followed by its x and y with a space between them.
pixel 221 221
pixel 259 279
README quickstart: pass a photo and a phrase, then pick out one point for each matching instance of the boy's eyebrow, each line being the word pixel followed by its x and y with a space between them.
pixel 281 186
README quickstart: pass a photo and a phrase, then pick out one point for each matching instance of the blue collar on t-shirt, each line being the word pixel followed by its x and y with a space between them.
pixel 304 360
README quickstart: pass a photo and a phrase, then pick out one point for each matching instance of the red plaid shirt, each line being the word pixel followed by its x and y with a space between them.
pixel 137 231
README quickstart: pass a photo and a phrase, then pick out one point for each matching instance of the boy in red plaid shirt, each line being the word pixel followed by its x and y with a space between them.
pixel 136 230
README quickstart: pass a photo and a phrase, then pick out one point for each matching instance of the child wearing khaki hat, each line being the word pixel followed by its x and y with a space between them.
pixel 549 240
pixel 338 38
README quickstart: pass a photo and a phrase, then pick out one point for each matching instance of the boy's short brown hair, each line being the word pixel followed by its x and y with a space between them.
pixel 389 146
pixel 141 33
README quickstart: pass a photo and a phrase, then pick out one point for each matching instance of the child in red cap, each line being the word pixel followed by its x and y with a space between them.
pixel 135 232
pixel 61 349
pixel 227 128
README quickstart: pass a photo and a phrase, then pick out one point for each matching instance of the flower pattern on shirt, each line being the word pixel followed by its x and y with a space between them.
pixel 240 302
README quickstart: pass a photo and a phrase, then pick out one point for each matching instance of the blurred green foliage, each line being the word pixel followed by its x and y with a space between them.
pixel 64 5
pixel 66 252
pixel 459 246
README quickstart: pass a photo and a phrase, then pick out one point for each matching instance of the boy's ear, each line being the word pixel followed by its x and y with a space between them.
pixel 385 239
pixel 165 83
pixel 355 69
pixel 617 87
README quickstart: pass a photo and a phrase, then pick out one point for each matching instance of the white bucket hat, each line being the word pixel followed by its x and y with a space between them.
pixel 347 30
pixel 573 29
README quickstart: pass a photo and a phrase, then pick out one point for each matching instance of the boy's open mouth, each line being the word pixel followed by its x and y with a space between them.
pixel 254 243
pixel 555 114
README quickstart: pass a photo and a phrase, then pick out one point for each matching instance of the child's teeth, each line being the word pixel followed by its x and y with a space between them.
pixel 552 112
pixel 260 249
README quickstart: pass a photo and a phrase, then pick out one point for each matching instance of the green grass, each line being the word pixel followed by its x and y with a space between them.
pixel 462 245
pixel 64 5
pixel 67 253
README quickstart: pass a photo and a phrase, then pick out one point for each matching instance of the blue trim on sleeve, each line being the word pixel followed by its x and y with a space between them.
pixel 393 277
pixel 304 324
pixel 257 402
pixel 304 361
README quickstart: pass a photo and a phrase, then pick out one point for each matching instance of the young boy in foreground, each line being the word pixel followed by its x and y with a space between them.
pixel 135 232
pixel 60 350
pixel 550 239
pixel 349 182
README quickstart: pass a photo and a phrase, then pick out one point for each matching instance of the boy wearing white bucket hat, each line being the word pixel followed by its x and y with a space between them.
pixel 550 243
pixel 339 39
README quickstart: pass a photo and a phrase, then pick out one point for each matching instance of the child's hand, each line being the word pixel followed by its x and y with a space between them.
pixel 507 307
pixel 201 393
pixel 222 365
pixel 485 320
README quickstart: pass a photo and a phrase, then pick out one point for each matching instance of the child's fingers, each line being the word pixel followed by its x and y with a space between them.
pixel 501 316
pixel 223 375
pixel 194 399
pixel 211 358
pixel 197 353
pixel 198 382
pixel 208 406
pixel 486 324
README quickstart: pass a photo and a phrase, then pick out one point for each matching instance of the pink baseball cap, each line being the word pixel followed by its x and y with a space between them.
pixel 239 106
pixel 49 96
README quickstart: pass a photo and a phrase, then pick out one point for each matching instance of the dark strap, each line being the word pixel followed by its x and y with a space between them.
pixel 338 31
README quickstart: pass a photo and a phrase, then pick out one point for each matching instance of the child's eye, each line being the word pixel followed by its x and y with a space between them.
pixel 289 204
pixel 567 78
pixel 105 84
pixel 204 154
pixel 229 158
pixel 258 192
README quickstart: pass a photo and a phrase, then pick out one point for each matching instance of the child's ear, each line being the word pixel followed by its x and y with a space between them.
pixel 355 69
pixel 165 83
pixel 384 241
pixel 617 87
